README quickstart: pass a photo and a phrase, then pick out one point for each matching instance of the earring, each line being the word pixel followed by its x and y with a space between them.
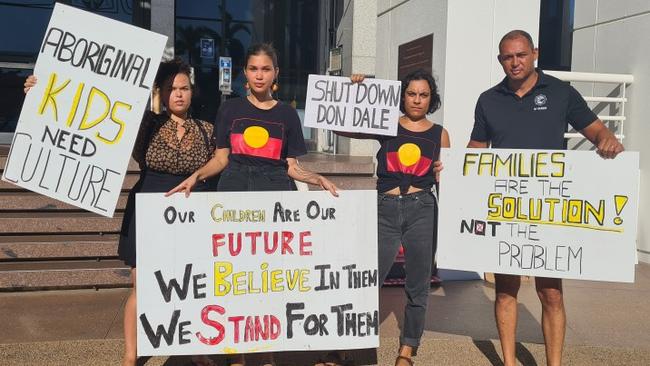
pixel 275 87
pixel 246 86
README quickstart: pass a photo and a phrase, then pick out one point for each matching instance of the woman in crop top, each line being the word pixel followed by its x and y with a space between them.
pixel 406 206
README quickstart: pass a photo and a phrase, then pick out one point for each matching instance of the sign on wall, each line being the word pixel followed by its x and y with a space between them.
pixel 78 124
pixel 335 103
pixel 415 55
pixel 562 214
pixel 256 272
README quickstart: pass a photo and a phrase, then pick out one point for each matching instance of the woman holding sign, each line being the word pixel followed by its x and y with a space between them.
pixel 169 147
pixel 258 139
pixel 407 208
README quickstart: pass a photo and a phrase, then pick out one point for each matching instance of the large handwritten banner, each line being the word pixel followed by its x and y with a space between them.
pixel 78 124
pixel 562 214
pixel 256 271
pixel 336 103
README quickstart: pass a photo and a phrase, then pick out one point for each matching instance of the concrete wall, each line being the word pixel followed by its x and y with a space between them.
pixel 612 37
pixel 357 33
pixel 465 39
pixel 162 21
pixel 474 29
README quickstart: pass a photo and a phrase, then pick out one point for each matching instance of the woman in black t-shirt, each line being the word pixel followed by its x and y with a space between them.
pixel 406 206
pixel 258 140
pixel 258 137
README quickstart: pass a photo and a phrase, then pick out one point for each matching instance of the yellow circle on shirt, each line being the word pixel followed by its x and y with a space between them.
pixel 409 154
pixel 256 136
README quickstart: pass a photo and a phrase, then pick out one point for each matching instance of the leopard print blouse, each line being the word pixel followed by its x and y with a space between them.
pixel 158 148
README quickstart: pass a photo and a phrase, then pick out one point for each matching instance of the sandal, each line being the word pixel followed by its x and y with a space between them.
pixel 403 358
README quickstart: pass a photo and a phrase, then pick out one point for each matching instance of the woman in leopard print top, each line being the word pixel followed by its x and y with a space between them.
pixel 170 146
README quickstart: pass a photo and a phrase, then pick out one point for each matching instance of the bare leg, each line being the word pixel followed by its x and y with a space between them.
pixel 130 326
pixel 505 312
pixel 549 291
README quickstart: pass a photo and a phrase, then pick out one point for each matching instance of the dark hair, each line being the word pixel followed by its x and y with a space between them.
pixel 517 33
pixel 263 48
pixel 420 74
pixel 172 68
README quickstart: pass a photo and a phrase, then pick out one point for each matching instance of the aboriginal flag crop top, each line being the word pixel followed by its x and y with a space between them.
pixel 259 137
pixel 407 159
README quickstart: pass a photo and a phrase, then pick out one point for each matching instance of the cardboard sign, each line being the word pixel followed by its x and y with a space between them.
pixel 78 124
pixel 562 214
pixel 256 272
pixel 335 103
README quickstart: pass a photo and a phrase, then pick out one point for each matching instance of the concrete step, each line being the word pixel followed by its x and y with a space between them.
pixel 58 222
pixel 352 182
pixel 41 247
pixel 73 276
pixel 27 266
pixel 129 182
pixel 338 164
pixel 132 167
pixel 25 200
pixel 317 162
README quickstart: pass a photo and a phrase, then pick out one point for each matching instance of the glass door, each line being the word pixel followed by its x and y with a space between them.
pixel 12 78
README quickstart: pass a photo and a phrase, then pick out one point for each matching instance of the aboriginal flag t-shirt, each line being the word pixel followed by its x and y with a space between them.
pixel 407 159
pixel 259 136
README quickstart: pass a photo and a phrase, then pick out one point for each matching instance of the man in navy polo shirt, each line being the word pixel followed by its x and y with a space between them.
pixel 530 110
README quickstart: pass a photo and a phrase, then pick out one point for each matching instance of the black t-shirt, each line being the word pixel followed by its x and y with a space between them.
pixel 258 136
pixel 407 159
pixel 538 120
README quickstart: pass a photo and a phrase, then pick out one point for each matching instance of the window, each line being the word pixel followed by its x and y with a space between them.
pixel 22 26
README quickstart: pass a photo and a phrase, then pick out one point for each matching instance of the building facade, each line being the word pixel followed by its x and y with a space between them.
pixel 456 40
pixel 612 37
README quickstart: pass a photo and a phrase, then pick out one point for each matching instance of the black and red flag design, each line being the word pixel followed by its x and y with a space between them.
pixel 410 155
pixel 257 138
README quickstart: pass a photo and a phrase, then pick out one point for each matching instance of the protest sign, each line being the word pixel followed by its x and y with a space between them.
pixel 78 124
pixel 244 272
pixel 336 103
pixel 562 214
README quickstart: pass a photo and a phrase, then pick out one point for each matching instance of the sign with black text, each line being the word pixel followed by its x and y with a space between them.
pixel 243 272
pixel 370 107
pixel 78 124
pixel 561 214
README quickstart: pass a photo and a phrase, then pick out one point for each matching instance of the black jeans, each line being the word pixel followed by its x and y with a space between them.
pixel 408 220
pixel 245 178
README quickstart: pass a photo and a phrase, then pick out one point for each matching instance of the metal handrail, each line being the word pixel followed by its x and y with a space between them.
pixel 622 79
pixel 591 77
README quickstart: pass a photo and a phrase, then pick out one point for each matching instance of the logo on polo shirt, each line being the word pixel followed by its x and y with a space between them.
pixel 540 102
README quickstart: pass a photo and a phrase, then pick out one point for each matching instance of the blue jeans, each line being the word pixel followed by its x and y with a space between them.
pixel 409 220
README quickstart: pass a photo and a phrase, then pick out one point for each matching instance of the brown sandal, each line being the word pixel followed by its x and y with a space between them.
pixel 403 358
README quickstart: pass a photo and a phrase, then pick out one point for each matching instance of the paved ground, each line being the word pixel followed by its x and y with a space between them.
pixel 608 324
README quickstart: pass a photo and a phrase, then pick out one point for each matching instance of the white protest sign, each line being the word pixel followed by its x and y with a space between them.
pixel 78 124
pixel 562 214
pixel 336 103
pixel 248 272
